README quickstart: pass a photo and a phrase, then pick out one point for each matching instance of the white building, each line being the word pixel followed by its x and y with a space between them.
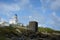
pixel 3 23
pixel 14 20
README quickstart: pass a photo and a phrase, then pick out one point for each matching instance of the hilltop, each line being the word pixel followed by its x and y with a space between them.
pixel 47 30
pixel 10 33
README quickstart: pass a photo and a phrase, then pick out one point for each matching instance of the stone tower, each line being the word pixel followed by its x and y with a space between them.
pixel 33 25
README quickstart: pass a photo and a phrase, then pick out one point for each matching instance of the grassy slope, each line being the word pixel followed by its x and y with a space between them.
pixel 48 30
pixel 8 30
pixel 40 29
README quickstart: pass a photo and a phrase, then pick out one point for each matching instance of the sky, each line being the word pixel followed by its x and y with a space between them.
pixel 45 12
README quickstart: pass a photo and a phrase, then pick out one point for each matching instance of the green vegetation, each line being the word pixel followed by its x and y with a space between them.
pixel 22 29
pixel 41 29
pixel 9 30
pixel 47 30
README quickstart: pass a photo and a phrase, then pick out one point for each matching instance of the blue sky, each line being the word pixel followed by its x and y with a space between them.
pixel 45 12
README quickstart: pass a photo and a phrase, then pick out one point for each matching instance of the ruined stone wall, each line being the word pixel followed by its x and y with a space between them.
pixel 33 25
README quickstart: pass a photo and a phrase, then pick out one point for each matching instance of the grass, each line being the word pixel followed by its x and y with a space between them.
pixel 47 30
pixel 11 29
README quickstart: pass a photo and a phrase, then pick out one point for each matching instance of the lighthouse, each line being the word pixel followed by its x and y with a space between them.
pixel 14 20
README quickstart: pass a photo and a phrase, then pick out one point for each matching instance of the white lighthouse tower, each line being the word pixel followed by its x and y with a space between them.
pixel 14 20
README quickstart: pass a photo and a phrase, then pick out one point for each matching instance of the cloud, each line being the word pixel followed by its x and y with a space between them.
pixel 6 7
pixel 54 15
pixel 45 3
pixel 55 20
pixel 37 16
pixel 52 4
pixel 55 5
pixel 12 6
pixel 40 19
